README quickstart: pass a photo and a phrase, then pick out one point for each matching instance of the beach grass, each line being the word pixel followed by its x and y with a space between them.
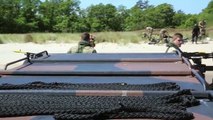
pixel 112 37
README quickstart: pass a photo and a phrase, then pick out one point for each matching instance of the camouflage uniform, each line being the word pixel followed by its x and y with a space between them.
pixel 150 31
pixel 92 40
pixel 202 26
pixel 83 47
pixel 164 35
pixel 173 46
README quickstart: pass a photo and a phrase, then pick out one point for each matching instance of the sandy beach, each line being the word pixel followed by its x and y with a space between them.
pixel 7 53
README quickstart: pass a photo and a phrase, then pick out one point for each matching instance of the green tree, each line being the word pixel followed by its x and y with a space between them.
pixel 151 17
pixel 193 19
pixel 47 15
pixel 18 16
pixel 209 8
pixel 9 11
pixel 207 14
pixel 122 14
pixel 27 20
pixel 135 19
pixel 102 17
pixel 83 24
pixel 96 18
pixel 142 4
pixel 157 17
pixel 179 18
pixel 164 14
pixel 59 15
pixel 67 16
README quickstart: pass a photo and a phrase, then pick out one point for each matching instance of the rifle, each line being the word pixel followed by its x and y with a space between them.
pixel 202 55
pixel 197 57
pixel 30 55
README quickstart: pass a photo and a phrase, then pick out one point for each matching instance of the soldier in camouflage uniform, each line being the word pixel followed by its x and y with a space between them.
pixel 149 32
pixel 164 35
pixel 177 41
pixel 202 26
pixel 92 40
pixel 85 45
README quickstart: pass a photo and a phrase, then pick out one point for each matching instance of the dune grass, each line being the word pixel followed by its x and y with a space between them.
pixel 113 37
pixel 119 37
pixel 40 38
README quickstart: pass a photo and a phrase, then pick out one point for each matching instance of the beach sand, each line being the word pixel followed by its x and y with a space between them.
pixel 7 53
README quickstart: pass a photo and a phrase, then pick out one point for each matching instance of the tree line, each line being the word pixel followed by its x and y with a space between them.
pixel 23 16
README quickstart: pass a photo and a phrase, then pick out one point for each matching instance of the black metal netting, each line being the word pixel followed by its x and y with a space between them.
pixel 67 107
pixel 95 86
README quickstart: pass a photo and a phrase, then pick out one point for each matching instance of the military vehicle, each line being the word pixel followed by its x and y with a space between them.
pixel 106 86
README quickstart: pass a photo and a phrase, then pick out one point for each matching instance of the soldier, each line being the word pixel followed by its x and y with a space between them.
pixel 84 46
pixel 149 32
pixel 195 33
pixel 92 40
pixel 202 26
pixel 177 41
pixel 164 35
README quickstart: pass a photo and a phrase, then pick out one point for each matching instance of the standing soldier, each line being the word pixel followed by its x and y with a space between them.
pixel 195 33
pixel 84 46
pixel 202 26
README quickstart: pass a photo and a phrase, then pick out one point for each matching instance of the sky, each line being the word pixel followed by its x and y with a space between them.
pixel 187 6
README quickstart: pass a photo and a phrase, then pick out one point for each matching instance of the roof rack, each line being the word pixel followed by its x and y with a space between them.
pixel 28 58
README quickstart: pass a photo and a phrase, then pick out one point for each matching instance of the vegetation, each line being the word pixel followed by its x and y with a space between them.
pixel 1 42
pixel 44 21
pixel 27 16
pixel 114 37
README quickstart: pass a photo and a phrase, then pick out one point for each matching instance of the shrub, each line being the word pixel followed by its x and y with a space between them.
pixel 28 38
pixel 1 41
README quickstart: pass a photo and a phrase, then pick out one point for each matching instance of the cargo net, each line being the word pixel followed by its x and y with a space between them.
pixel 67 107
pixel 88 86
